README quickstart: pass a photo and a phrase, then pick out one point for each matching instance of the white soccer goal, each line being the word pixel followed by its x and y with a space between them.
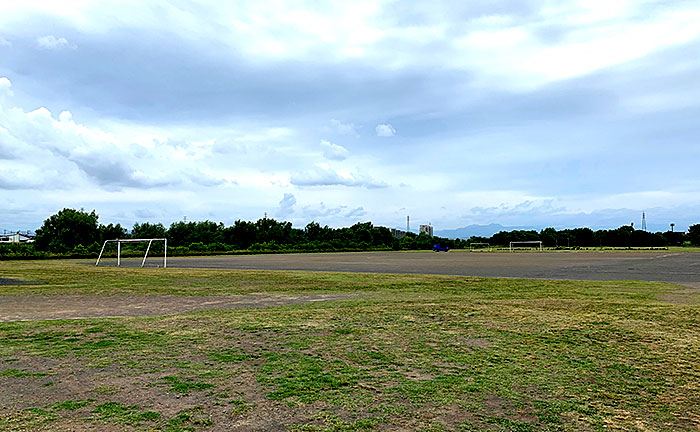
pixel 532 242
pixel 119 249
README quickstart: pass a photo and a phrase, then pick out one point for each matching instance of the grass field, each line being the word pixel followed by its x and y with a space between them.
pixel 406 352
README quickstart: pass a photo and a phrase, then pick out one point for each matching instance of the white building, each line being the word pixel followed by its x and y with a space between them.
pixel 17 237
pixel 426 229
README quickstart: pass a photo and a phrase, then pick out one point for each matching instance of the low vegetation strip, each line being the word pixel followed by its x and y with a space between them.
pixel 414 352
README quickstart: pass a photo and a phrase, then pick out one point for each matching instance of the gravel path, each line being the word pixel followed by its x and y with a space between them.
pixel 681 268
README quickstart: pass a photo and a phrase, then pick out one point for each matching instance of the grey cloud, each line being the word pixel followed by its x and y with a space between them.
pixel 8 151
pixel 142 76
pixel 9 181
pixel 286 206
pixel 202 179
pixel 527 207
pixel 356 213
pixel 21 179
pixel 321 211
pixel 144 214
pixel 110 173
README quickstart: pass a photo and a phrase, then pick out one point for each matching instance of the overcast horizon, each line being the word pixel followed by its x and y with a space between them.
pixel 519 113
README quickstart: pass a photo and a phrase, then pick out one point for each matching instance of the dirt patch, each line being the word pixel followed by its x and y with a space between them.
pixel 477 342
pixel 689 295
pixel 31 308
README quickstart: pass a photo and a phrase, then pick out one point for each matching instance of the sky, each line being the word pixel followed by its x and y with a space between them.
pixel 520 113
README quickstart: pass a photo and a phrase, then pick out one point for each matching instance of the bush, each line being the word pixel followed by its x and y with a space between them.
pixel 694 235
pixel 80 250
pixel 198 247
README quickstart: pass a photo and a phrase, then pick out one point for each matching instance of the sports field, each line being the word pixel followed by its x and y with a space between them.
pixel 356 342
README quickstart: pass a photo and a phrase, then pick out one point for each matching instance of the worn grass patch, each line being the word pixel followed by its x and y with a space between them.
pixel 431 353
pixel 114 412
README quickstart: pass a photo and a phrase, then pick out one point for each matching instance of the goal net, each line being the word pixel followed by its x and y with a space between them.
pixel 145 255
pixel 533 244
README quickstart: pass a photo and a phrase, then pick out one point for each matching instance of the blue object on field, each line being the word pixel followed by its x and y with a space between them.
pixel 438 248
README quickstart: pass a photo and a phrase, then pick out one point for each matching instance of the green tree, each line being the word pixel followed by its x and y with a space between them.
pixel 549 237
pixel 148 230
pixel 694 235
pixel 68 228
pixel 111 232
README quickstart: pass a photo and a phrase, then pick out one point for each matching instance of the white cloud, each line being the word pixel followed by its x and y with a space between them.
pixel 343 128
pixel 334 151
pixel 385 130
pixel 61 153
pixel 325 176
pixel 298 66
pixel 5 87
pixel 4 42
pixel 51 42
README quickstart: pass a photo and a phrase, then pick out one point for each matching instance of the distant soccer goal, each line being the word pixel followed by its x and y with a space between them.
pixel 537 244
pixel 478 245
pixel 148 248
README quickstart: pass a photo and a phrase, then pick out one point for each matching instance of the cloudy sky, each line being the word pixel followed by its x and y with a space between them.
pixel 523 113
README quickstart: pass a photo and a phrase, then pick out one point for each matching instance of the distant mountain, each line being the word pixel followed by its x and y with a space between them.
pixel 479 230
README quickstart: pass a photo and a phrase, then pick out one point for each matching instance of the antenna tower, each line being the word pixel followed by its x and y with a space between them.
pixel 644 221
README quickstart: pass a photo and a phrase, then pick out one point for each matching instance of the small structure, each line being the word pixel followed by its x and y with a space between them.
pixel 397 233
pixel 426 229
pixel 17 237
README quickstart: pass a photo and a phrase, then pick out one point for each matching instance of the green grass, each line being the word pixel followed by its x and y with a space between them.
pixel 413 352
pixel 19 373
pixel 184 386
pixel 114 412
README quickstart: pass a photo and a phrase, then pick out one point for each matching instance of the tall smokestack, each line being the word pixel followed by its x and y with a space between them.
pixel 408 224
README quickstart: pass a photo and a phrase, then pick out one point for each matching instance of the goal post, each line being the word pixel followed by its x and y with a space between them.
pixel 531 242
pixel 148 248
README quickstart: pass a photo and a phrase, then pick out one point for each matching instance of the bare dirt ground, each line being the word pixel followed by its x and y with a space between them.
pixel 680 268
pixel 30 308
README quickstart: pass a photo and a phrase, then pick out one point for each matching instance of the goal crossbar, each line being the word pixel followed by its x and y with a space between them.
pixel 537 242
pixel 148 248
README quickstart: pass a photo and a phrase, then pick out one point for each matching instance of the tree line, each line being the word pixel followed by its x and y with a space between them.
pixel 79 233
pixel 73 232
pixel 624 236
